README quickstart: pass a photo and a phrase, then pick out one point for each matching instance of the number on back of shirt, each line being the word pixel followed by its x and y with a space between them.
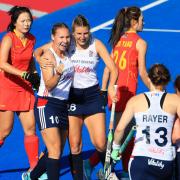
pixel 161 139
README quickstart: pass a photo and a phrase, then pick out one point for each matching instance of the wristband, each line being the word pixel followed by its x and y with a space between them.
pixel 116 146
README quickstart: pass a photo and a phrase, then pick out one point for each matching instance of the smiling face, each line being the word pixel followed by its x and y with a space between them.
pixel 81 35
pixel 61 39
pixel 23 23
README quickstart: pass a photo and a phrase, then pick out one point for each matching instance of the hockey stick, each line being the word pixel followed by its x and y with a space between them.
pixel 110 138
pixel 102 175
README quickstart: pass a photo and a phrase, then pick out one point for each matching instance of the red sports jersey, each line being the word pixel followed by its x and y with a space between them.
pixel 125 56
pixel 20 57
pixel 16 94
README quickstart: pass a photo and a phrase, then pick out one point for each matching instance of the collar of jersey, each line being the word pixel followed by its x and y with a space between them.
pixel 23 40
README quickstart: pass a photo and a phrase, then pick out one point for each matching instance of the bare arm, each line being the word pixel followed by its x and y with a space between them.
pixel 141 48
pixel 4 56
pixel 102 51
pixel 124 121
pixel 105 78
pixel 50 78
pixel 39 52
pixel 178 107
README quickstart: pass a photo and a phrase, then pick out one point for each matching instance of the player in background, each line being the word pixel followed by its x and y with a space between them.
pixel 154 112
pixel 17 76
pixel 176 132
pixel 128 52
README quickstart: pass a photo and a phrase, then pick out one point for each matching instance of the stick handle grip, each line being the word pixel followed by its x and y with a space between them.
pixel 128 138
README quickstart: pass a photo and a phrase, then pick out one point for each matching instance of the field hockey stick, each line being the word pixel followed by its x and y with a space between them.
pixel 110 137
pixel 128 138
pixel 101 174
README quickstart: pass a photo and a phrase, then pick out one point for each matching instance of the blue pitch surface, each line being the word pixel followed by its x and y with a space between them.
pixel 162 48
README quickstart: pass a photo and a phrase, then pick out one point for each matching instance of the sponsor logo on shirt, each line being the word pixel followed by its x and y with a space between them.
pixel 155 94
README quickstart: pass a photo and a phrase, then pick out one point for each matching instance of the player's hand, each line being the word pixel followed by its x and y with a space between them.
pixel 104 96
pixel 45 62
pixel 112 93
pixel 33 78
pixel 115 152
pixel 59 69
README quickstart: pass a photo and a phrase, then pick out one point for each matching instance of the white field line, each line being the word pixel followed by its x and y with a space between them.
pixel 7 7
pixel 162 30
pixel 103 25
pixel 153 30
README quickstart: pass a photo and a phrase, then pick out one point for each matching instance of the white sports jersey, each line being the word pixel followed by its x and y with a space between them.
pixel 61 91
pixel 85 63
pixel 154 129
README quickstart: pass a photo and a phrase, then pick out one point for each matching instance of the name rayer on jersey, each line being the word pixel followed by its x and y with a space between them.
pixel 155 118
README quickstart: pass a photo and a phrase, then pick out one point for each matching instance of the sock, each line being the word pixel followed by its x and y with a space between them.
pixel 53 168
pixel 127 154
pixel 1 142
pixel 40 168
pixel 70 163
pixel 102 156
pixel 77 166
pixel 31 144
pixel 94 159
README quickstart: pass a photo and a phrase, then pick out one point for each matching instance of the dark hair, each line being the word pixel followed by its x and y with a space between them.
pixel 122 23
pixel 57 26
pixel 80 21
pixel 159 75
pixel 14 12
pixel 177 83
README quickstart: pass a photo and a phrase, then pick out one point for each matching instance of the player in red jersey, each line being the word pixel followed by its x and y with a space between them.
pixel 16 79
pixel 128 52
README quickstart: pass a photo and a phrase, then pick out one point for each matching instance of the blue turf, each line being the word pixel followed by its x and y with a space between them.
pixel 162 47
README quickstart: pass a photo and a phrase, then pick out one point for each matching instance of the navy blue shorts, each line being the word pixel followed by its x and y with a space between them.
pixel 145 168
pixel 177 166
pixel 86 101
pixel 51 112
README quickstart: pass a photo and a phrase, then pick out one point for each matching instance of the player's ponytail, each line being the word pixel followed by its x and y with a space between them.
pixel 122 23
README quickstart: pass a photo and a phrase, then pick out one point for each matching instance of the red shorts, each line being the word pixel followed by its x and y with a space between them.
pixel 123 97
pixel 12 99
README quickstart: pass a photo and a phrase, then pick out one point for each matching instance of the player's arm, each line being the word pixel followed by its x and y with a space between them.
pixel 6 45
pixel 50 78
pixel 141 47
pixel 119 132
pixel 105 78
pixel 104 54
pixel 124 121
pixel 178 106
pixel 38 55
